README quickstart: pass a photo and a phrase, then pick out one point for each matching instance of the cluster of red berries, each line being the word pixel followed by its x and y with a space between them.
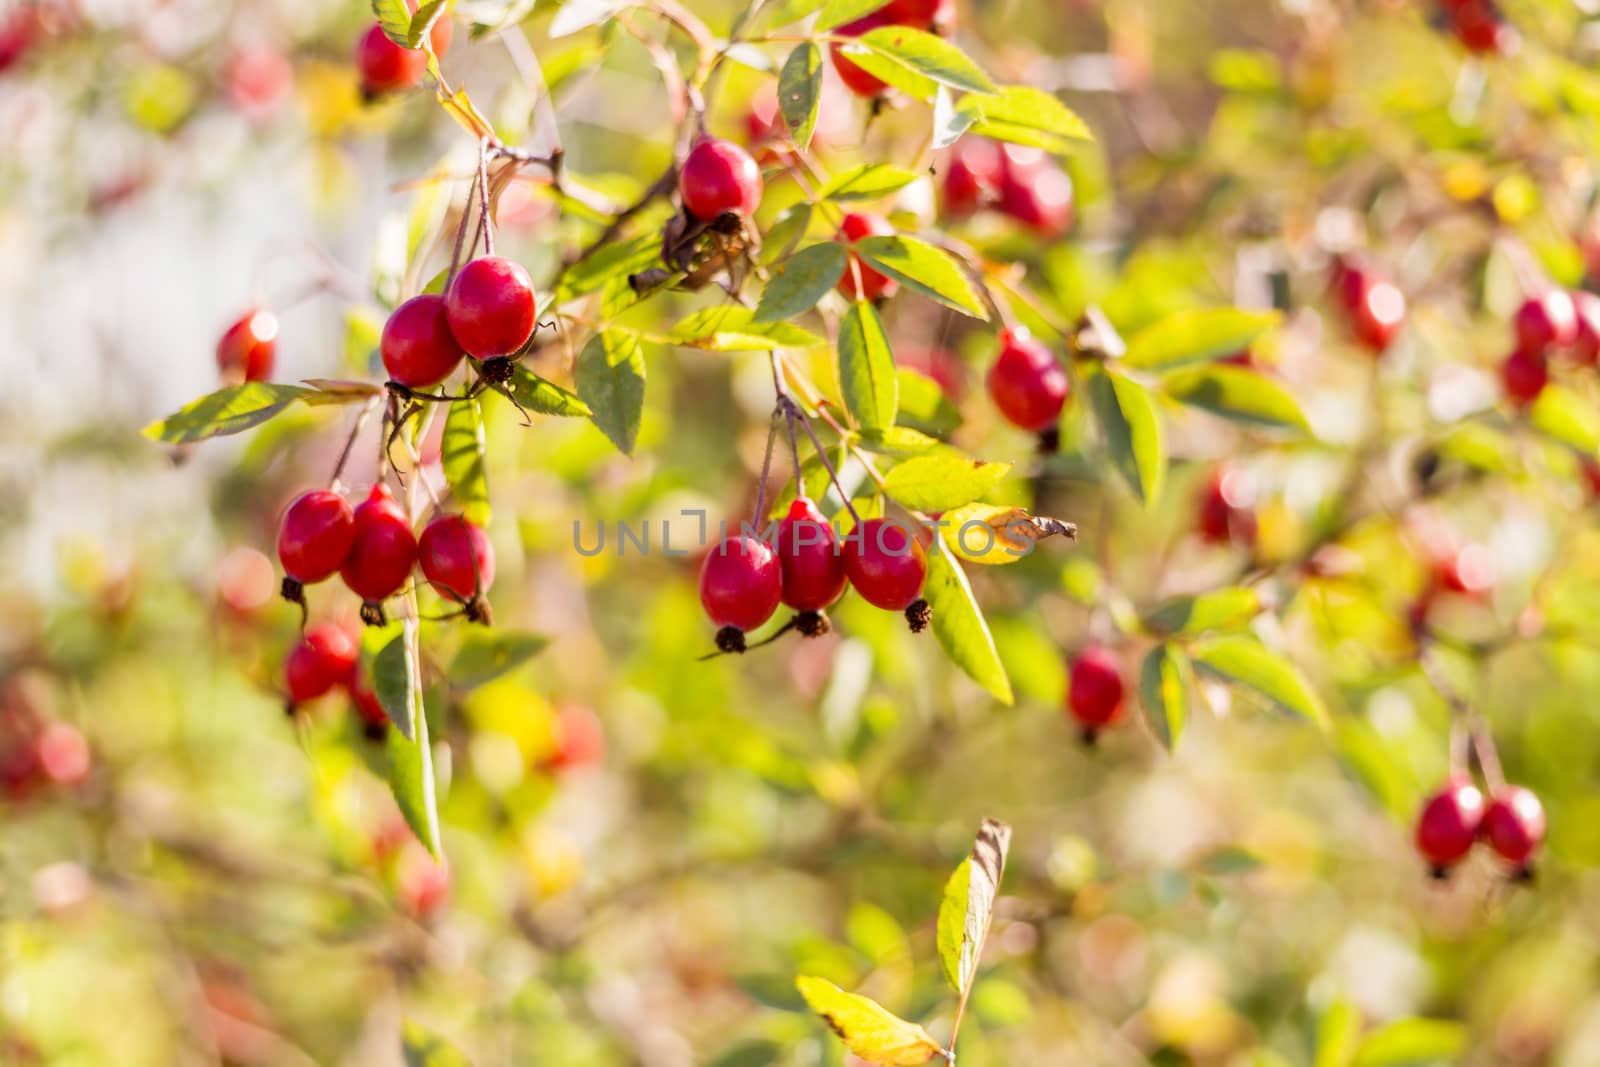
pixel 934 16
pixel 373 549
pixel 1027 383
pixel 1094 691
pixel 1025 183
pixel 386 67
pixel 1456 817
pixel 1553 323
pixel 744 579
pixel 34 751
pixel 1478 25
pixel 488 312
pixel 1373 305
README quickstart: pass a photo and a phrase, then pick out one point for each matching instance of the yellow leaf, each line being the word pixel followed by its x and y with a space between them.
pixel 997 533
pixel 461 109
pixel 866 1027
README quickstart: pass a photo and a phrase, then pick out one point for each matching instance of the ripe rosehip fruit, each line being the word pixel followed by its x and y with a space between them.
pixel 64 756
pixel 324 657
pixel 248 347
pixel 719 177
pixel 580 740
pixel 1479 27
pixel 315 536
pixel 386 67
pixel 1524 375
pixel 1224 512
pixel 885 563
pixel 1546 321
pixel 874 285
pixel 1586 346
pixel 1035 191
pixel 808 551
pixel 1094 690
pixel 456 557
pixel 374 720
pixel 937 16
pixel 972 175
pixel 1469 571
pixel 382 552
pixel 1378 313
pixel 1514 824
pixel 741 583
pixel 491 307
pixel 855 79
pixel 1026 383
pixel 1448 824
pixel 418 348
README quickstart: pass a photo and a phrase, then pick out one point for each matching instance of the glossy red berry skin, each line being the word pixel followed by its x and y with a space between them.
pixel 324 657
pixel 490 307
pixel 386 67
pixel 1035 191
pixel 808 552
pixel 418 348
pixel 368 708
pixel 1545 322
pixel 719 177
pixel 1378 312
pixel 741 583
pixel 919 14
pixel 1586 345
pixel 1479 27
pixel 1026 383
pixel 315 536
pixel 1220 520
pixel 1514 824
pixel 855 79
pixel 456 557
pixel 885 564
pixel 1448 823
pixel 971 176
pixel 248 348
pixel 1094 688
pixel 384 549
pixel 1524 375
pixel 874 286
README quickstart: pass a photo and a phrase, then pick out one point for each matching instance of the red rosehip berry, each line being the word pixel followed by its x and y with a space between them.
pixel 1514 824
pixel 1379 312
pixel 258 79
pixel 1224 510
pixel 1026 383
pixel 874 285
pixel 63 754
pixel 971 176
pixel 315 536
pixel 1035 191
pixel 1448 824
pixel 382 552
pixel 1479 27
pixel 423 881
pixel 386 67
pixel 491 307
pixel 1524 374
pixel 1586 344
pixel 808 552
pixel 1469 571
pixel 418 348
pixel 855 79
pixel 247 349
pixel 719 177
pixel 741 583
pixel 368 708
pixel 885 563
pixel 457 558
pixel 1546 321
pixel 580 740
pixel 324 657
pixel 1094 690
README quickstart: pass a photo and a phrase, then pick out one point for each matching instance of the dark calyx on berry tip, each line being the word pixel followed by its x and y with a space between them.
pixel 374 731
pixel 812 623
pixel 293 591
pixel 730 639
pixel 497 370
pixel 372 613
pixel 918 615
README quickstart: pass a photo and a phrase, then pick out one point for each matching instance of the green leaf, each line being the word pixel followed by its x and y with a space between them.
pixel 610 379
pixel 838 12
pixel 924 405
pixel 239 408
pixel 1567 416
pixel 1412 1041
pixel 1133 434
pixel 1247 663
pixel 786 231
pixel 545 397
pixel 487 654
pixel 730 328
pixel 1164 693
pixel 867 1028
pixel 899 441
pixel 800 91
pixel 750 1054
pixel 422 1048
pixel 800 281
pixel 866 368
pixel 395 18
pixel 611 261
pixel 1220 609
pixel 462 457
pixel 915 62
pixel 869 181
pixel 576 15
pixel 1197 337
pixel 959 624
pixel 410 755
pixel 968 905
pixel 422 22
pixel 1230 860
pixel 1025 115
pixel 1338 1033
pixel 949 121
pixel 931 271
pixel 1237 393
pixel 943 482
